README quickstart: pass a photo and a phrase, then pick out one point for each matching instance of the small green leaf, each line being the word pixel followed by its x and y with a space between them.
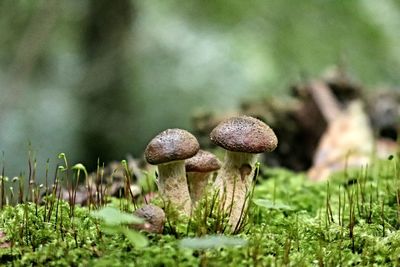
pixel 112 216
pixel 210 242
pixel 265 203
pixel 110 229
pixel 136 238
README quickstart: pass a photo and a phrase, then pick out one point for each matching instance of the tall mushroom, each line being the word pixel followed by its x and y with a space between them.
pixel 199 169
pixel 243 137
pixel 168 150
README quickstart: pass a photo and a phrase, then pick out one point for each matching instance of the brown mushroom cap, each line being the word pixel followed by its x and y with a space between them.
pixel 154 217
pixel 171 145
pixel 203 161
pixel 244 134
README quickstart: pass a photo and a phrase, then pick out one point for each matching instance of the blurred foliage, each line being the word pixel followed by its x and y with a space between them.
pixel 168 60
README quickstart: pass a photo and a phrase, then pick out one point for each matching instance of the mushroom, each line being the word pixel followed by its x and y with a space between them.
pixel 168 150
pixel 154 219
pixel 199 169
pixel 243 137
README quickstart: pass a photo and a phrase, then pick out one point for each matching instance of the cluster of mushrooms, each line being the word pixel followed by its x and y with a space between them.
pixel 184 170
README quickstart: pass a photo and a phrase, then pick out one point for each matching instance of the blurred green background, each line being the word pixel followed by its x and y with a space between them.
pixel 99 78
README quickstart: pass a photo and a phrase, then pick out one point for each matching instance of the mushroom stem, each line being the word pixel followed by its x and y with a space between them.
pixel 238 159
pixel 234 180
pixel 197 182
pixel 173 186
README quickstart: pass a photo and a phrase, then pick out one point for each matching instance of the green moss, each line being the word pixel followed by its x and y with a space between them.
pixel 352 220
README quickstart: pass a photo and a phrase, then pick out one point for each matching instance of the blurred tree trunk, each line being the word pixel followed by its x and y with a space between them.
pixel 105 104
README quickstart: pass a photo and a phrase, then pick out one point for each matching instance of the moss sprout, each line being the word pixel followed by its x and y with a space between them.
pixel 350 220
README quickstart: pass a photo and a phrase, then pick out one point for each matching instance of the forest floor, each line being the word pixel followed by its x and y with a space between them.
pixel 352 219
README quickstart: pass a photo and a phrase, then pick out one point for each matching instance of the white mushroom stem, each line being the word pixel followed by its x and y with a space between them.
pixel 197 182
pixel 173 186
pixel 234 182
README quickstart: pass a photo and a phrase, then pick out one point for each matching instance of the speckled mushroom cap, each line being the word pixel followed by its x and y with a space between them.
pixel 244 134
pixel 171 145
pixel 154 217
pixel 203 161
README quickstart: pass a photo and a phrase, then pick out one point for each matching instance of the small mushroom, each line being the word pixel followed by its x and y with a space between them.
pixel 3 242
pixel 243 137
pixel 154 219
pixel 199 169
pixel 168 150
